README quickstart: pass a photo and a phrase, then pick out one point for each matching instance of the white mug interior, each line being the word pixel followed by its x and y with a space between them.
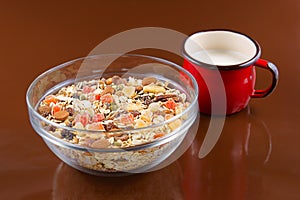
pixel 203 46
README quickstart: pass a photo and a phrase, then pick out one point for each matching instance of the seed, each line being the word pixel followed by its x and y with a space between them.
pixel 148 80
pixel 61 115
pixel 44 110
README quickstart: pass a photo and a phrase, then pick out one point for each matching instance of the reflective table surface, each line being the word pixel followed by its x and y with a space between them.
pixel 257 154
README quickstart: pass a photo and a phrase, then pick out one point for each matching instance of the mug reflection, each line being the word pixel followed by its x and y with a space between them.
pixel 234 167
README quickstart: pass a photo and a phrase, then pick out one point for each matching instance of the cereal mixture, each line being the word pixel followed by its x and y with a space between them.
pixel 113 106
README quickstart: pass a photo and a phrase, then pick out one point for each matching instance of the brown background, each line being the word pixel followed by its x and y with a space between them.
pixel 36 35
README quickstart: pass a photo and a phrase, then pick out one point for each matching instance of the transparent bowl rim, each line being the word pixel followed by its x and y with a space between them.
pixel 60 66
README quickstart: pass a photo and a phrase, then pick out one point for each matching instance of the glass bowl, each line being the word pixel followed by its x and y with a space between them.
pixel 113 161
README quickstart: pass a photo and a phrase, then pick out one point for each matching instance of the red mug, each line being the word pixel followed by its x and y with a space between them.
pixel 223 63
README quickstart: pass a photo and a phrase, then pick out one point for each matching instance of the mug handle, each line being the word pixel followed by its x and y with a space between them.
pixel 273 69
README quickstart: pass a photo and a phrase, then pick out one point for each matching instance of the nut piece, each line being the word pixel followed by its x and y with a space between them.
pixel 44 110
pixel 101 143
pixel 61 115
pixel 154 89
pixel 107 90
pixel 138 88
pixel 148 80
pixel 108 81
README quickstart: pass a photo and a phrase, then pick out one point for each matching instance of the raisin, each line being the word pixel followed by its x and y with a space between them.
pixel 110 126
pixel 50 128
pixel 70 111
pixel 75 96
pixel 135 113
pixel 148 102
pixel 67 135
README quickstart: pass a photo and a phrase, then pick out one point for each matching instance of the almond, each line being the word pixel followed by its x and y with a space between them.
pixel 148 80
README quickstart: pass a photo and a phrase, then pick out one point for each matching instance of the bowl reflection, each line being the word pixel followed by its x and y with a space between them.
pixel 162 184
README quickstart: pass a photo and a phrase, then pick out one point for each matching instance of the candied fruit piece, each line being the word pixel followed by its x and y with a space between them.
pixel 83 119
pixel 127 118
pixel 170 104
pixel 50 99
pixel 107 98
pixel 55 109
pixel 140 123
pixel 87 89
pixel 95 126
pixel 158 135
pixel 129 91
pixel 98 117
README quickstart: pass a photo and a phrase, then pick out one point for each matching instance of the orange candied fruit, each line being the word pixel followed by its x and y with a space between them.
pixel 97 97
pixel 170 104
pixel 127 119
pixel 107 98
pixel 50 99
pixel 158 135
pixel 55 109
